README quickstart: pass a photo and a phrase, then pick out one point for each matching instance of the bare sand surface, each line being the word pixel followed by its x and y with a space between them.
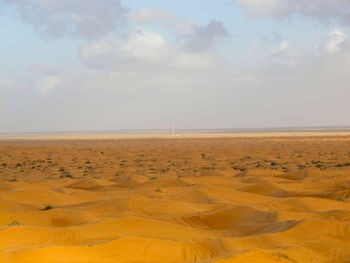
pixel 188 135
pixel 203 198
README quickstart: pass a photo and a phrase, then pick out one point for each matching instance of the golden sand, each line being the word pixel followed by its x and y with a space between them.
pixel 99 136
pixel 273 198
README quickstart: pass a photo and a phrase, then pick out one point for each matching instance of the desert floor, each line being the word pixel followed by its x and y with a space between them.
pixel 218 200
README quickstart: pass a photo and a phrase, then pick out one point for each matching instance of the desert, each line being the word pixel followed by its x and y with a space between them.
pixel 154 131
pixel 211 199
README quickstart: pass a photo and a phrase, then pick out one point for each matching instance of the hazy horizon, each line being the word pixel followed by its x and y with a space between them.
pixel 140 65
pixel 189 131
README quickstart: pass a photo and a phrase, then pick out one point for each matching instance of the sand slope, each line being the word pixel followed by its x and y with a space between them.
pixel 217 200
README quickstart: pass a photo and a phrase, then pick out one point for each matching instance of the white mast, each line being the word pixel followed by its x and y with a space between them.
pixel 173 128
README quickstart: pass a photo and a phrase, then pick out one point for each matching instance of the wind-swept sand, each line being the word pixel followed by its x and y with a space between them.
pixel 218 200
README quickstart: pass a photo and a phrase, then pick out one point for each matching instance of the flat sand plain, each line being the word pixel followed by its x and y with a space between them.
pixel 188 135
pixel 157 200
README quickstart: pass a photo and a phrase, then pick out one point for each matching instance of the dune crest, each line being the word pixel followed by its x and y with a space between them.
pixel 215 200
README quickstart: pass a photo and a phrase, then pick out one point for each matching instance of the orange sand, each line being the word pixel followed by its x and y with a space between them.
pixel 218 200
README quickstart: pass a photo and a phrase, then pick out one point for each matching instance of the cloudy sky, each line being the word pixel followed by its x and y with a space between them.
pixel 69 65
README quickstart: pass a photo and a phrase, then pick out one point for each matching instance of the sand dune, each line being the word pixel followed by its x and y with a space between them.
pixel 217 200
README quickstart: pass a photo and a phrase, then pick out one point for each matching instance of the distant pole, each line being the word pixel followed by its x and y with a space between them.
pixel 173 128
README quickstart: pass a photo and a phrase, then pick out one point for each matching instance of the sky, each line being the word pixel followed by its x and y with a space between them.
pixel 72 65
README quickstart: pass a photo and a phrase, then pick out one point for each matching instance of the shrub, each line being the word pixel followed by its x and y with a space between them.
pixel 159 190
pixel 48 207
pixel 341 199
pixel 281 256
pixel 15 223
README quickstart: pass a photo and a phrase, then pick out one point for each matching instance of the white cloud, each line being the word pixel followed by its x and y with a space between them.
pixel 283 45
pixel 138 46
pixel 323 10
pixel 335 39
pixel 56 18
pixel 149 14
pixel 47 84
pixel 145 45
pixel 165 18
pixel 190 32
pixel 286 58
pixel 146 50
pixel 5 83
pixel 205 38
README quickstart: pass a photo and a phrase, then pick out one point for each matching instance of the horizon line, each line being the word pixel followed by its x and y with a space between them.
pixel 184 130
